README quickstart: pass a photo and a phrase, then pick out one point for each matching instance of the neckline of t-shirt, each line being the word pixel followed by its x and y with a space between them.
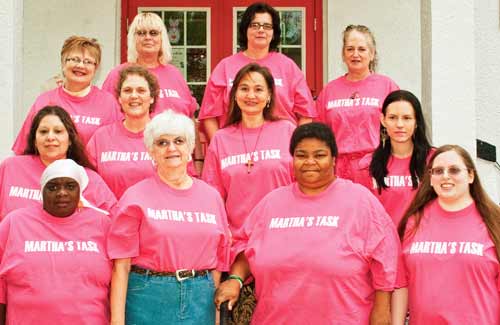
pixel 175 191
pixel 267 57
pixel 63 93
pixel 349 82
pixel 129 133
pixel 299 194
pixel 464 212
pixel 57 220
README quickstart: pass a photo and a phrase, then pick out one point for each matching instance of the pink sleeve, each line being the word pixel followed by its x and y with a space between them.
pixel 92 150
pixel 212 104
pixel 123 236
pixel 110 83
pixel 383 247
pixel 320 107
pixel 98 192
pixel 21 141
pixel 211 169
pixel 394 86
pixel 224 249
pixel 4 237
pixel 303 103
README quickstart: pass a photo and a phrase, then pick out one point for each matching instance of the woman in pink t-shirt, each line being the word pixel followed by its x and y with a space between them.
pixel 258 38
pixel 118 149
pixel 451 247
pixel 398 163
pixel 322 250
pixel 89 107
pixel 52 136
pixel 351 104
pixel 169 238
pixel 148 46
pixel 53 261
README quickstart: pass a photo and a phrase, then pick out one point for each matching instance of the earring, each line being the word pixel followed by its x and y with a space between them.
pixel 383 136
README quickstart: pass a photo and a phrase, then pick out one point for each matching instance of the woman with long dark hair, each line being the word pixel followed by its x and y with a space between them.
pixel 399 161
pixel 451 246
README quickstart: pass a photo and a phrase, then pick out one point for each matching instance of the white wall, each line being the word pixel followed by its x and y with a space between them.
pixel 47 24
pixel 396 26
pixel 487 59
pixel 10 69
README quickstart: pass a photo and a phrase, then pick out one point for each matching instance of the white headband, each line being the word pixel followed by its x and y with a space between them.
pixel 69 168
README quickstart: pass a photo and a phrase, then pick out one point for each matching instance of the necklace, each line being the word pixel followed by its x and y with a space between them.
pixel 250 162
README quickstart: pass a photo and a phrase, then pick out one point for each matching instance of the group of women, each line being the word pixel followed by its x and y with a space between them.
pixel 334 212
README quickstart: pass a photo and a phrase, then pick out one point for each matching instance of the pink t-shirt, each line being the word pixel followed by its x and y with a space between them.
pixel 56 270
pixel 120 156
pixel 174 91
pixel 452 269
pixel 292 93
pixel 352 110
pixel 319 259
pixel 89 113
pixel 225 166
pixel 20 185
pixel 166 229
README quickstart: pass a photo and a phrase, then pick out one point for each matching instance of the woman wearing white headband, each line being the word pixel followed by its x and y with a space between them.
pixel 53 259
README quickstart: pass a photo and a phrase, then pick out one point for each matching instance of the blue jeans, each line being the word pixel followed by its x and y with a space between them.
pixel 164 300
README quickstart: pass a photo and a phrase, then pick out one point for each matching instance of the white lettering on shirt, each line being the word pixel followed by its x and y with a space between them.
pixel 25 193
pixel 434 247
pixel 165 93
pixel 353 102
pixel 82 119
pixel 124 156
pixel 241 159
pixel 34 246
pixel 181 216
pixel 303 222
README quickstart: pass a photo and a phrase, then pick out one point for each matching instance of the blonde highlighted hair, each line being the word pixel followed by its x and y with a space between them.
pixel 148 21
pixel 80 43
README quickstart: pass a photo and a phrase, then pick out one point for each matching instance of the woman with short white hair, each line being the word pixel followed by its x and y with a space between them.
pixel 148 46
pixel 169 237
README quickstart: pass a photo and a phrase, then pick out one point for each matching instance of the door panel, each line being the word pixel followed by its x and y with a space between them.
pixel 204 32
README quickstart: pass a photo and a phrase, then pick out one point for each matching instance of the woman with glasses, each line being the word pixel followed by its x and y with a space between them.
pixel 149 47
pixel 169 236
pixel 351 103
pixel 118 149
pixel 258 37
pixel 451 246
pixel 89 107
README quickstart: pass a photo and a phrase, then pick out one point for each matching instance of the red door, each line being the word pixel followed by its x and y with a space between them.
pixel 204 32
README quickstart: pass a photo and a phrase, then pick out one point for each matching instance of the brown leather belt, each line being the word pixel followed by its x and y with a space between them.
pixel 180 275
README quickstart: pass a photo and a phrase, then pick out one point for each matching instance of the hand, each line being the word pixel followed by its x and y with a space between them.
pixel 227 290
pixel 380 316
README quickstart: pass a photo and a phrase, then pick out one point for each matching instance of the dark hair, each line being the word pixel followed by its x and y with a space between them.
pixel 137 70
pixel 489 211
pixel 314 130
pixel 421 145
pixel 249 15
pixel 76 149
pixel 234 115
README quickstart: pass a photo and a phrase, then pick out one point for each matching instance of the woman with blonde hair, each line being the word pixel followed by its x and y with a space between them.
pixel 149 47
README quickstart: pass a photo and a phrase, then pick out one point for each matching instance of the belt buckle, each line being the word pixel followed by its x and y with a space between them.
pixel 182 278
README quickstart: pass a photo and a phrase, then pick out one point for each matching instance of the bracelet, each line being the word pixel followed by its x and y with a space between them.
pixel 237 278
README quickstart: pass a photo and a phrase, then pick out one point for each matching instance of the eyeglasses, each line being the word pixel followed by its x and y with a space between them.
pixel 164 143
pixel 76 61
pixel 144 33
pixel 451 171
pixel 257 26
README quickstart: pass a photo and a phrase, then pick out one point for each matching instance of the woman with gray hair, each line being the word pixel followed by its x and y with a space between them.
pixel 148 46
pixel 54 255
pixel 169 237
